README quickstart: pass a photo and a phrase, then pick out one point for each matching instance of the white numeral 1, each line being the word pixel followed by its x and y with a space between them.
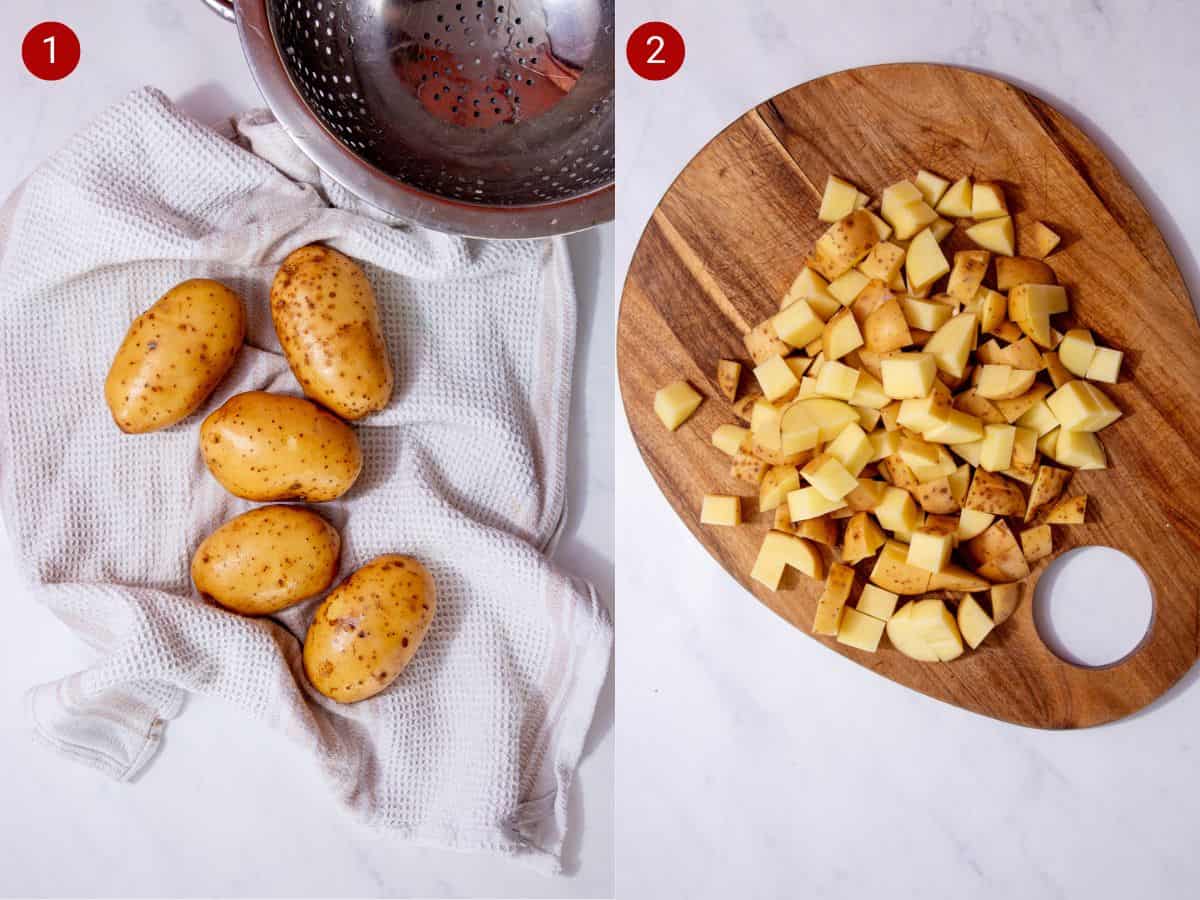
pixel 50 41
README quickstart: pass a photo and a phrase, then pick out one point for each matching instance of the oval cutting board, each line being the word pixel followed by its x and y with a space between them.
pixel 732 232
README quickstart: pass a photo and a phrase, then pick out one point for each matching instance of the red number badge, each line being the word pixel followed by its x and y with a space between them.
pixel 50 51
pixel 655 51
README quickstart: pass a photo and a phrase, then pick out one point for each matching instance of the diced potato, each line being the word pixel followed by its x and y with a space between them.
pixel 1055 369
pixel 931 186
pixel 960 483
pixel 877 603
pixel 955 578
pixel 973 623
pixel 860 631
pixel 966 277
pixel 823 530
pixel 996 453
pixel 721 509
pixel 837 381
pixel 729 373
pixel 1038 240
pixel 897 510
pixel 958 428
pixel 1003 382
pixel 940 229
pixel 987 201
pixel 808 503
pixel 897 196
pixel 810 286
pixel 839 200
pixel 862 539
pixel 969 451
pixel 972 522
pixel 995 235
pixel 833 599
pixel 994 494
pixel 957 201
pixel 1038 418
pixel 934 625
pixel 917 452
pixel 776 378
pixel 1048 442
pixel 743 408
pixel 925 315
pixel 841 336
pixel 1105 365
pixel 886 328
pixel 844 244
pixel 925 262
pixel 1037 543
pixel 1016 270
pixel 981 408
pixel 1081 406
pixel 882 228
pixel 952 343
pixel 778 551
pixel 675 403
pixel 893 573
pixel 851 448
pixel 829 477
pixel 993 307
pixel 848 286
pixel 883 262
pixel 729 439
pixel 830 415
pixel 762 342
pixel 748 468
pixel 795 326
pixel 798 364
pixel 1013 409
pixel 1005 598
pixel 1068 511
pixel 936 497
pixel 1031 305
pixel 1081 449
pixel 924 413
pixel 942 468
pixel 776 485
pixel 908 375
pixel 996 554
pixel 766 424
pixel 928 551
pixel 897 472
pixel 867 495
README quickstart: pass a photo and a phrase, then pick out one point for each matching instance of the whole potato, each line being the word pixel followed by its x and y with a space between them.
pixel 368 628
pixel 328 325
pixel 267 559
pixel 266 447
pixel 174 354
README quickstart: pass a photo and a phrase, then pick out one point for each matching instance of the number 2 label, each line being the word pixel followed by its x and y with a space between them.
pixel 655 51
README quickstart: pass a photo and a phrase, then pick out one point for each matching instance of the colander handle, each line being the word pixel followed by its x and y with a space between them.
pixel 223 8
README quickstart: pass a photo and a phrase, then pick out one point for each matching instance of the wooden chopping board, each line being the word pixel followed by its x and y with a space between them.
pixel 730 235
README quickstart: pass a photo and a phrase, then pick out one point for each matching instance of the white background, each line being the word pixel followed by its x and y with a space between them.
pixel 225 810
pixel 753 762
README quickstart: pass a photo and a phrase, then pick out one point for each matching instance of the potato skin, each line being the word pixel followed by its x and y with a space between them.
pixel 267 559
pixel 270 447
pixel 328 325
pixel 174 355
pixel 368 628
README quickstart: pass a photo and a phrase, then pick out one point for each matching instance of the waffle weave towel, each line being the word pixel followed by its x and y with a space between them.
pixel 474 746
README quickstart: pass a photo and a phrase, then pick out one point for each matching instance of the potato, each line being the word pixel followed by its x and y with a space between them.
pixel 174 355
pixel 1005 598
pixel 328 326
pixel 995 494
pixel 1069 511
pixel 996 554
pixel 367 630
pixel 267 559
pixel 844 244
pixel 729 373
pixel 269 447
pixel 1012 271
pixel 1048 485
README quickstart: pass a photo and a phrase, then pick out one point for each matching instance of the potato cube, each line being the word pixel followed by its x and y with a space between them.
pixel 729 373
pixel 868 392
pixel 883 262
pixel 860 631
pixel 1081 406
pixel 942 468
pixel 823 530
pixel 929 551
pixel 797 325
pixel 810 286
pixel 762 342
pixel 925 262
pixel 987 201
pixel 877 603
pixel 847 287
pixel 1038 240
pixel 798 364
pixel 884 444
pixel 908 375
pixel 808 503
pixel 957 428
pixel 721 509
pixel 851 448
pixel 748 468
pixel 776 485
pixel 841 336
pixel 995 235
pixel 993 307
pixel 1037 543
pixel 969 451
pixel 993 381
pixel 893 573
pixel 996 453
pixel 966 277
pixel 897 511
pixel 868 417
pixel 973 623
pixel 916 452
pixel 924 413
pixel 1048 484
pixel 932 187
pixel 779 551
pixel 833 599
pixel 1081 449
pixel 885 328
pixel 838 201
pixel 996 555
pixel 766 423
pixel 674 403
pixel 905 209
pixel 993 493
pixel 1024 449
pixel 776 378
pixel 1105 365
pixel 1075 351
pixel 925 315
pixel 844 244
pixel 972 522
pixel 862 538
pixel 882 228
pixel 729 439
pixel 956 201
pixel 1015 270
pixel 829 477
pixel 1031 305
pixel 1068 511
pixel 837 380
pixel 960 483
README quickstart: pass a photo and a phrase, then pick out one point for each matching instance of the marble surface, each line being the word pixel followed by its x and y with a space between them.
pixel 222 811
pixel 752 762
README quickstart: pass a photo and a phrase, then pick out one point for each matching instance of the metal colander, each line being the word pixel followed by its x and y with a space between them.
pixel 491 118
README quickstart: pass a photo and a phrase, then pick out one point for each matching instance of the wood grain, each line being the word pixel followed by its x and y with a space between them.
pixel 731 234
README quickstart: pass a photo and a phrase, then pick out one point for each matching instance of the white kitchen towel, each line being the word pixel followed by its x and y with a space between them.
pixel 475 745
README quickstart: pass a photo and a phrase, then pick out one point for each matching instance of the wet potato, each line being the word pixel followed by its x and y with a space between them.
pixel 271 447
pixel 174 355
pixel 267 559
pixel 328 326
pixel 368 628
